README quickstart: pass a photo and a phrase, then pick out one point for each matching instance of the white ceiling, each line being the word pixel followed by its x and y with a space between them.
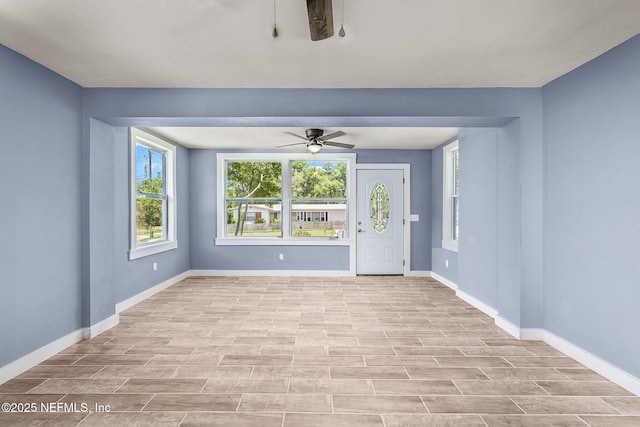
pixel 401 43
pixel 389 44
pixel 263 138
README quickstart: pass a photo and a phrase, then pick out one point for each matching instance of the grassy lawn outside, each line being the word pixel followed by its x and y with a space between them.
pixel 144 237
pixel 313 232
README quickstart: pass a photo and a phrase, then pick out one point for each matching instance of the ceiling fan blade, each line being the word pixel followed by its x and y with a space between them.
pixel 338 144
pixel 289 145
pixel 296 135
pixel 333 135
pixel 320 19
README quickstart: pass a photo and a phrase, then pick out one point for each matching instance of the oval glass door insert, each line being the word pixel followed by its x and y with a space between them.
pixel 379 207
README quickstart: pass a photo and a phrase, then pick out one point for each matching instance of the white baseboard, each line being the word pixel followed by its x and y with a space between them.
pixel 448 283
pixel 273 273
pixel 418 273
pixel 604 368
pixel 30 360
pixel 100 327
pixel 508 327
pixel 130 302
pixel 486 309
pixel 531 334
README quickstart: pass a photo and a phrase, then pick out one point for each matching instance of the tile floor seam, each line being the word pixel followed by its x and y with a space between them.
pixel 609 405
pixel 458 388
pixel 148 401
pixel 543 389
pixel 183 418
pixel 584 421
pixel 239 403
pixel 425 405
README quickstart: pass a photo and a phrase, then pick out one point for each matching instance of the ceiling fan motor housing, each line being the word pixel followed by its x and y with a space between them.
pixel 314 133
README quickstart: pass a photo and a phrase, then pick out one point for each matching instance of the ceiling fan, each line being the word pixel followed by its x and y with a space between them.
pixel 320 19
pixel 315 140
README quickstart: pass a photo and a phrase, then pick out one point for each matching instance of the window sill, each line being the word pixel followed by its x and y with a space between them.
pixel 267 241
pixel 452 246
pixel 152 249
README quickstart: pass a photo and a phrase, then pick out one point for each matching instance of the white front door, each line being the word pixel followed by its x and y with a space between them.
pixel 380 215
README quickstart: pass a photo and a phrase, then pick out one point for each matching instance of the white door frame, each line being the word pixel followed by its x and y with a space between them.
pixel 406 215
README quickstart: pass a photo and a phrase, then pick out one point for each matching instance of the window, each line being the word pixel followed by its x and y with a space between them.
pixel 254 193
pixel 153 211
pixel 450 204
pixel 316 187
pixel 271 198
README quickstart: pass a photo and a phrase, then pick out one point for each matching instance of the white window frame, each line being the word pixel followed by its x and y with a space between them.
pixel 169 150
pixel 286 239
pixel 448 187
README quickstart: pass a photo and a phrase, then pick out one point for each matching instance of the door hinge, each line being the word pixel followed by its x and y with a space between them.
pixel 403 222
pixel 403 263
pixel 403 181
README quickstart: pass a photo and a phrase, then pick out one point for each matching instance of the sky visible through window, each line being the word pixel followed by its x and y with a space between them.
pixel 147 167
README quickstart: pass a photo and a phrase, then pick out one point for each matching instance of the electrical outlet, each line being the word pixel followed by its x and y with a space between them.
pixel 155 266
pixel 446 263
pixel 281 257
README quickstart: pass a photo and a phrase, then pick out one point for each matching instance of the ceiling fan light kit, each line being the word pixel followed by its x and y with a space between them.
pixel 314 147
pixel 314 140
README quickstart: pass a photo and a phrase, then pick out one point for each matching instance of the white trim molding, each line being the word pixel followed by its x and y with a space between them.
pixel 602 367
pixel 30 360
pixel 449 239
pixel 100 327
pixel 130 302
pixel 285 160
pixel 591 361
pixel 509 327
pixel 272 273
pixel 486 309
pixel 170 210
pixel 418 273
pixel 448 283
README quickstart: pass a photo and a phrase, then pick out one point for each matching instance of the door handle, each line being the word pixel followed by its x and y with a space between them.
pixel 360 230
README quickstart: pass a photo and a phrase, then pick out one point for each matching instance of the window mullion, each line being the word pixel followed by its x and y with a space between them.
pixel 286 199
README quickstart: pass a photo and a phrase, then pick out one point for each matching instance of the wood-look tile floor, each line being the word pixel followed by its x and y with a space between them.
pixel 357 351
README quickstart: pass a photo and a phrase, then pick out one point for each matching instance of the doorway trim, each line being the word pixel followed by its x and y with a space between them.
pixel 406 215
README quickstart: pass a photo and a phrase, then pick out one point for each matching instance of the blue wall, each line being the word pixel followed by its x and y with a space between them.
pixel 112 278
pixel 487 265
pixel 133 277
pixel 592 206
pixel 509 219
pixel 40 175
pixel 478 245
pixel 206 256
